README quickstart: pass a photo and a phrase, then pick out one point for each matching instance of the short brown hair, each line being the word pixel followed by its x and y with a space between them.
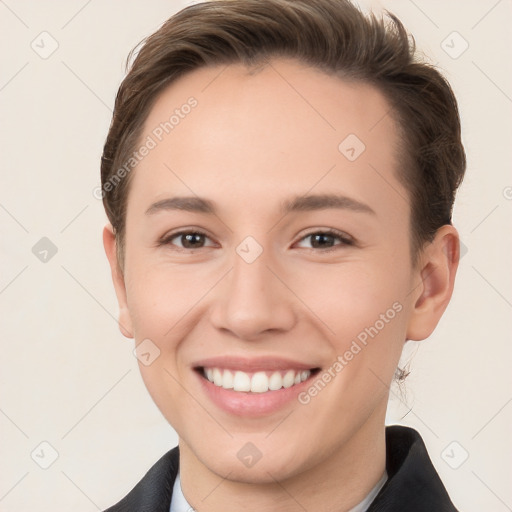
pixel 333 36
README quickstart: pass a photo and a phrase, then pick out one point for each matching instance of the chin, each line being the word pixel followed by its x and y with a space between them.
pixel 239 460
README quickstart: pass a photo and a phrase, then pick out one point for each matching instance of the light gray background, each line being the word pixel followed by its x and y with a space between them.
pixel 68 377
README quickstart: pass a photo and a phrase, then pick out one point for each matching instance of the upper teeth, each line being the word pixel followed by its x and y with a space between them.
pixel 258 382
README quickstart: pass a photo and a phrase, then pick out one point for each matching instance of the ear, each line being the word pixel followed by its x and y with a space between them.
pixel 109 243
pixel 436 276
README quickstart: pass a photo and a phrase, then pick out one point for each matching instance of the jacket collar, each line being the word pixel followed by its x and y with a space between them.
pixel 413 483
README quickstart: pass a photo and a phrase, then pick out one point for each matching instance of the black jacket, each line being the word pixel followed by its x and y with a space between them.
pixel 413 484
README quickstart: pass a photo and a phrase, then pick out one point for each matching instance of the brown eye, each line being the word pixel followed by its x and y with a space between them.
pixel 328 239
pixel 186 240
pixel 192 240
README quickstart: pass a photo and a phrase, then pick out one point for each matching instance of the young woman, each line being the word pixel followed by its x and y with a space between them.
pixel 279 178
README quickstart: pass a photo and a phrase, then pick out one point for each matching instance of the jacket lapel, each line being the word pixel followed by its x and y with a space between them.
pixel 413 483
pixel 154 492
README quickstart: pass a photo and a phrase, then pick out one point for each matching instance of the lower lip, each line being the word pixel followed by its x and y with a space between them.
pixel 250 404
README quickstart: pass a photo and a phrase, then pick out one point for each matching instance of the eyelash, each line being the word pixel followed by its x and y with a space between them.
pixel 345 239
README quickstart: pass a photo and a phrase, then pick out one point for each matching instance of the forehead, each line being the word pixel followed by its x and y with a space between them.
pixel 283 128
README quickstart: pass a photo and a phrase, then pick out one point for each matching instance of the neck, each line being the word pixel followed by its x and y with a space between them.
pixel 338 483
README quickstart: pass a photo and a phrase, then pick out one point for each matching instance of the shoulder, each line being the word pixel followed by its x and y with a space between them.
pixel 413 482
pixel 153 492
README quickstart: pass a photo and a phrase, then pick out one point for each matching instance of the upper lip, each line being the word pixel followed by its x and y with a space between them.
pixel 253 364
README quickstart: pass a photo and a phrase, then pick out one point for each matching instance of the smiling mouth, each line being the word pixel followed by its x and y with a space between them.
pixel 255 382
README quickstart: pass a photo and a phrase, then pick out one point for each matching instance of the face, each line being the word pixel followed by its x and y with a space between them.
pixel 268 250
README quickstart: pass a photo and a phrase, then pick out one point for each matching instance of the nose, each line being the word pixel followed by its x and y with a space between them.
pixel 254 300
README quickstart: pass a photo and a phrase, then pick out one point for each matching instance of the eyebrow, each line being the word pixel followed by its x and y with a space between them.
pixel 294 204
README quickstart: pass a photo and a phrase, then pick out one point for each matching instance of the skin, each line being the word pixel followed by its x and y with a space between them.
pixel 255 139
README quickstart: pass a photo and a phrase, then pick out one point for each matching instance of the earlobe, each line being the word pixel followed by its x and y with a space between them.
pixel 109 243
pixel 437 270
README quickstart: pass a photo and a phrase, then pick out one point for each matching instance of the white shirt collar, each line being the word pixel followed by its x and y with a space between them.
pixel 180 504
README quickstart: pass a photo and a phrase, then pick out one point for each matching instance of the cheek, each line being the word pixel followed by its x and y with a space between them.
pixel 355 297
pixel 166 303
pixel 160 298
pixel 161 305
pixel 365 311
